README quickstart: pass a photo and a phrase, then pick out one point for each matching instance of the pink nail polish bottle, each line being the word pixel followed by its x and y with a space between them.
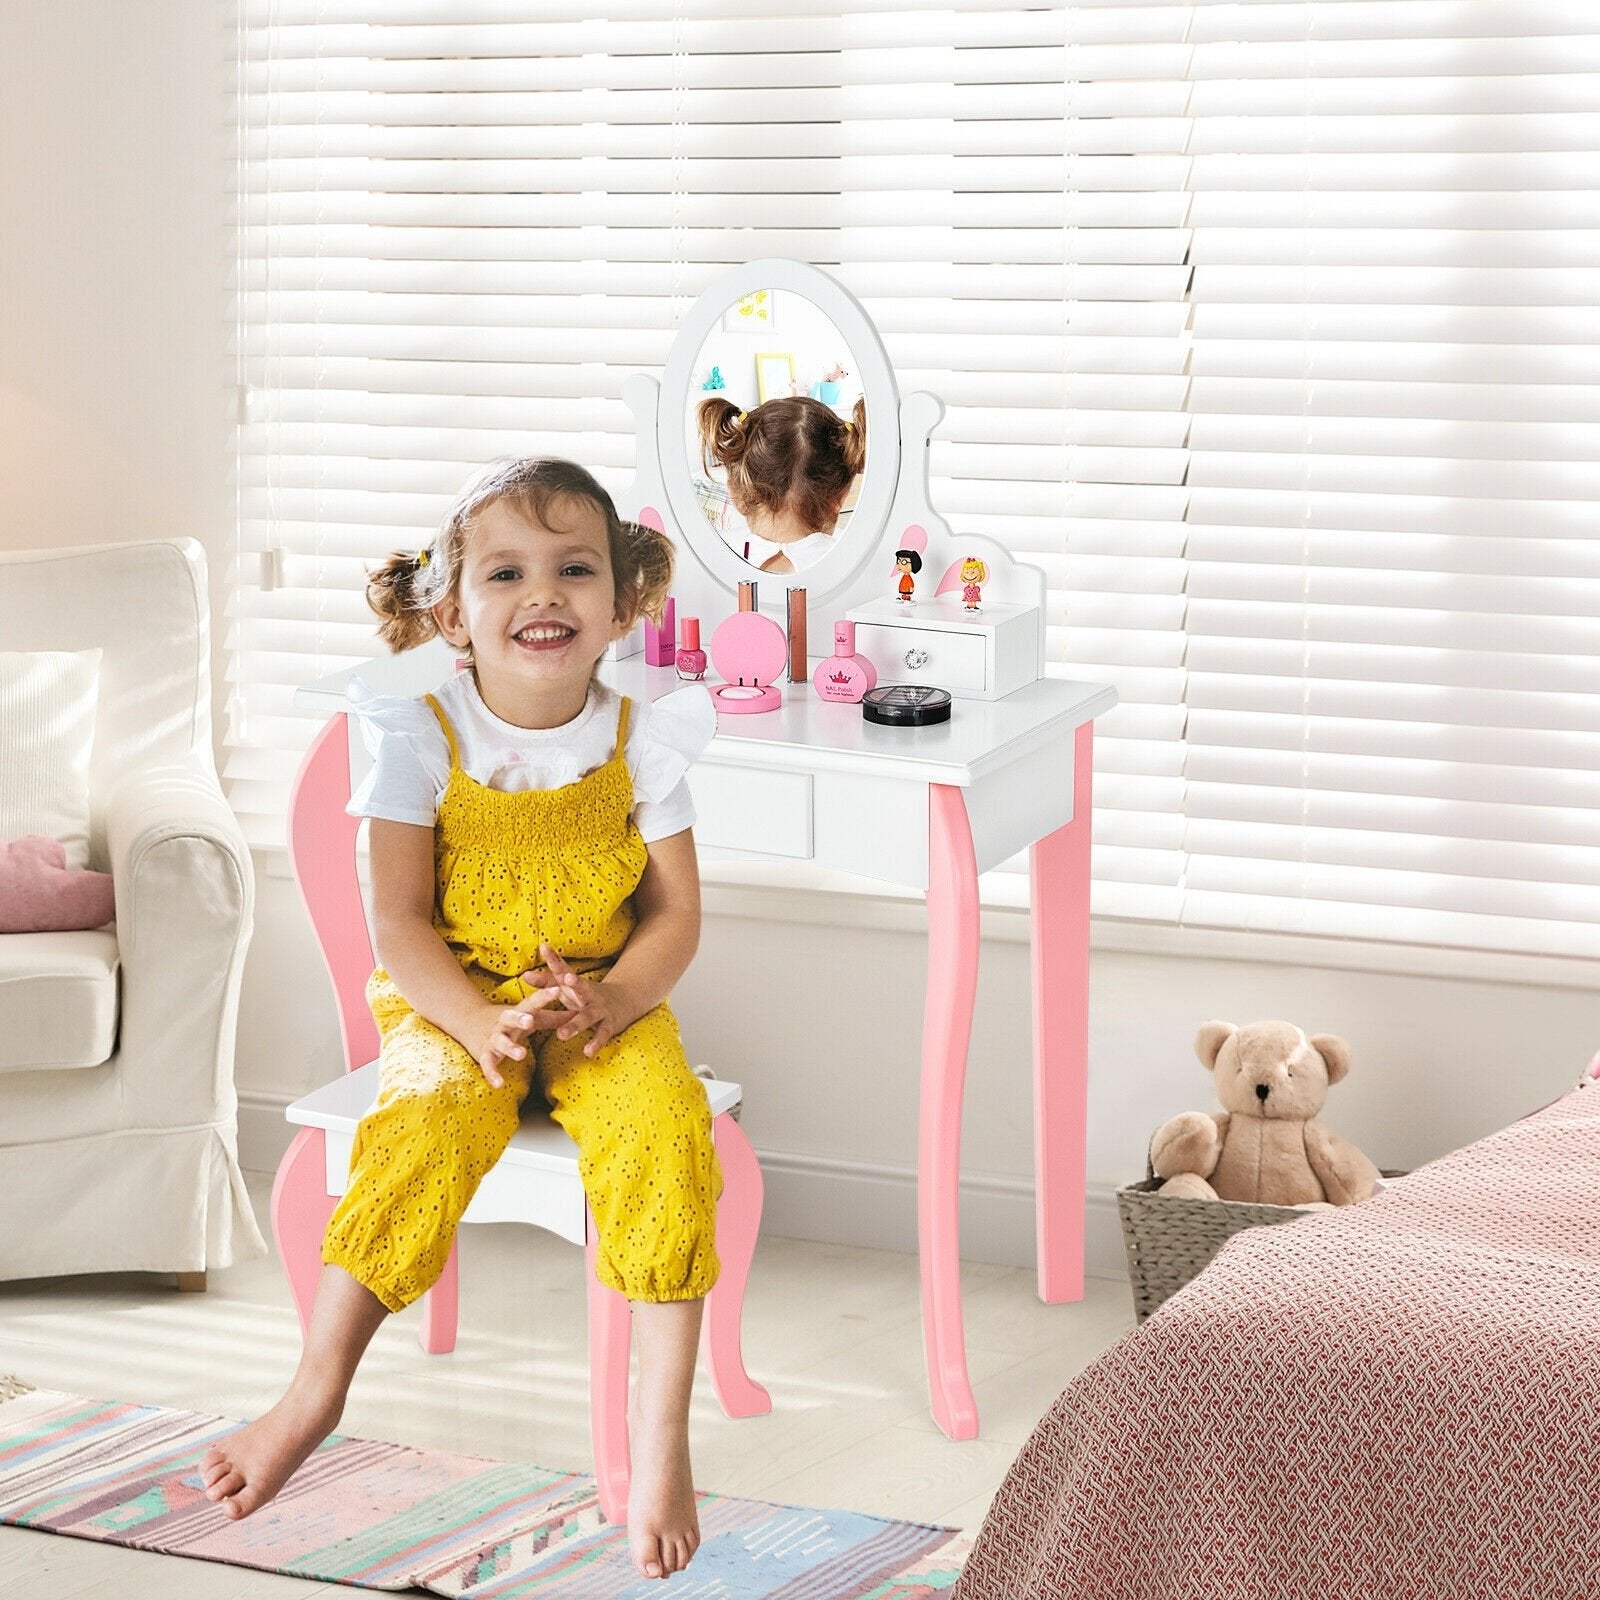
pixel 844 676
pixel 691 658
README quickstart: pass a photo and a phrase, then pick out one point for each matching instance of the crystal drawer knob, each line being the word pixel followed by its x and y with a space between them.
pixel 916 657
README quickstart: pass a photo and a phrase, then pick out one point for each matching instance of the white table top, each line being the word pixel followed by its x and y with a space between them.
pixel 807 733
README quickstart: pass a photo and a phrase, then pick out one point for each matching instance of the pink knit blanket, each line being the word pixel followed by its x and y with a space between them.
pixel 1398 1401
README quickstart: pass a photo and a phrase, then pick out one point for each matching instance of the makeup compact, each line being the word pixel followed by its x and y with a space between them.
pixel 750 652
pixel 906 705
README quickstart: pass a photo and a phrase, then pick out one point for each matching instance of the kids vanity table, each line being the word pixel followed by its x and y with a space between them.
pixel 929 807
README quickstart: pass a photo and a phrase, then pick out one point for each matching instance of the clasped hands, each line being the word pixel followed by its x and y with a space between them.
pixel 562 1000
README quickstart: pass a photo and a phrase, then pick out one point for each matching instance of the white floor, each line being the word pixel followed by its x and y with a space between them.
pixel 833 1332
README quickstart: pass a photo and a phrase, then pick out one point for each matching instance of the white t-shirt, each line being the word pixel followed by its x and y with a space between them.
pixel 411 761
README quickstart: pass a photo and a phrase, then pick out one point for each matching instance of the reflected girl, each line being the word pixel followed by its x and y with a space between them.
pixel 791 465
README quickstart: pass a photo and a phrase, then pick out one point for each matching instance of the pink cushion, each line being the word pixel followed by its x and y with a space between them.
pixel 39 895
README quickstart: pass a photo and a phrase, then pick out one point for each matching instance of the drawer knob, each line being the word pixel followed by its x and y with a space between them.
pixel 916 657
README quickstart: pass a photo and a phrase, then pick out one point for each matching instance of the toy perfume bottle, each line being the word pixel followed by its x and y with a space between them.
pixel 691 658
pixel 844 676
pixel 660 641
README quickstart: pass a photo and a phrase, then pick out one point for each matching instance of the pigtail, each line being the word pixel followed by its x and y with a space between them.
pixel 643 571
pixel 722 438
pixel 855 440
pixel 396 592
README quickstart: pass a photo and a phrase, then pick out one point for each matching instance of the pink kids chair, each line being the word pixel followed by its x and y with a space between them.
pixel 535 1181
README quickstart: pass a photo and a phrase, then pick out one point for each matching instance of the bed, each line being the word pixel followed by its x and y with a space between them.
pixel 1397 1401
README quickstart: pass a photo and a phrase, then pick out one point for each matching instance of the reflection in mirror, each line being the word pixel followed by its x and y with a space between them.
pixel 777 439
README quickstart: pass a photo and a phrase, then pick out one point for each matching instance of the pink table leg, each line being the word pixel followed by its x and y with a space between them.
pixel 1059 868
pixel 946 1031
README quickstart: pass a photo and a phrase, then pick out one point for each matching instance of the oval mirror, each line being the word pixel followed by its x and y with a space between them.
pixel 779 428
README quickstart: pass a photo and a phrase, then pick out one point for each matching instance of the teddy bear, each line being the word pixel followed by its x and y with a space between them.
pixel 1264 1147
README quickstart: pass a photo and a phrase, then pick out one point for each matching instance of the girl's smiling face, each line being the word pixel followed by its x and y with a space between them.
pixel 538 606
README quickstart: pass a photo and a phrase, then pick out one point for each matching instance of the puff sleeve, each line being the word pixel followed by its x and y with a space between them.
pixel 410 759
pixel 666 739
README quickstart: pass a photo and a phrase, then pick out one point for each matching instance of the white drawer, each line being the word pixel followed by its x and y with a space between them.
pixel 955 661
pixel 976 655
pixel 752 808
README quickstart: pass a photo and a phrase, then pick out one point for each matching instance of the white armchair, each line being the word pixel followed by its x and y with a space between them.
pixel 118 1144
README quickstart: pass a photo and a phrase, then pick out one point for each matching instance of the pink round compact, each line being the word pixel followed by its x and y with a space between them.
pixel 750 651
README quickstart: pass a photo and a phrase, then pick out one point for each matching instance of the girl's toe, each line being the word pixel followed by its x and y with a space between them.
pixel 241 1504
pixel 224 1484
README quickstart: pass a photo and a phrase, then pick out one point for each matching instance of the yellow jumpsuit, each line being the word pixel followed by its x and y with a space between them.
pixel 512 871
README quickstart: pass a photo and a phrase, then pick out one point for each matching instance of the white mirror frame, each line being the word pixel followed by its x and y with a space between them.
pixel 894 498
pixel 863 537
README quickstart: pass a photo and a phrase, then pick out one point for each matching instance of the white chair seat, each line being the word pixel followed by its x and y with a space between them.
pixel 536 1180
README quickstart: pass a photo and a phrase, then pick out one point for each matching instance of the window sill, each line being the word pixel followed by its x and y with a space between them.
pixel 796 893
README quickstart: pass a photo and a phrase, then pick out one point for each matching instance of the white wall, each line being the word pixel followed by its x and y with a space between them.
pixel 116 397
pixel 814 1004
pixel 114 425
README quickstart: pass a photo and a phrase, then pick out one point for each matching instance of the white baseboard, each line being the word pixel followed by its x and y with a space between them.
pixel 872 1204
pixel 833 1201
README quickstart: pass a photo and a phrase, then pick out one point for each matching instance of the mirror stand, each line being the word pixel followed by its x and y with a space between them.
pixel 894 510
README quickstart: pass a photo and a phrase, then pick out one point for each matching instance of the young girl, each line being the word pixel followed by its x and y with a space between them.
pixel 535 899
pixel 791 464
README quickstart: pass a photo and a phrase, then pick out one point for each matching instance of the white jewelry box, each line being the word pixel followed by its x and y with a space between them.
pixel 976 655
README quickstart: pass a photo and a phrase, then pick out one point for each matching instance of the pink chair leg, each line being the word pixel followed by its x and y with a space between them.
pixel 610 1332
pixel 1059 868
pixel 438 1333
pixel 738 1223
pixel 300 1208
pixel 946 1031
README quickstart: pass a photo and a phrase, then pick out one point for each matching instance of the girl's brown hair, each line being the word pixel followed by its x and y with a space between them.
pixel 405 587
pixel 795 453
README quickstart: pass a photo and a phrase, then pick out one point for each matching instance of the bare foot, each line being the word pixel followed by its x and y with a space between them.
pixel 663 1524
pixel 249 1467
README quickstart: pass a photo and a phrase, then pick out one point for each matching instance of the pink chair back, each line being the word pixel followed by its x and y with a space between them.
pixel 322 853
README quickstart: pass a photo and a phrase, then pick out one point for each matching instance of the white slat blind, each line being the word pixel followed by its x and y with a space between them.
pixel 1361 555
pixel 464 229
pixel 1269 329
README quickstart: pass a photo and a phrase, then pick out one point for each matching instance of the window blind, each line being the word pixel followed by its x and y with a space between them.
pixel 1267 329
pixel 463 230
pixel 1347 580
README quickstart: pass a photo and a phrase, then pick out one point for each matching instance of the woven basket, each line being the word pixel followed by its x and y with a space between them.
pixel 1169 1239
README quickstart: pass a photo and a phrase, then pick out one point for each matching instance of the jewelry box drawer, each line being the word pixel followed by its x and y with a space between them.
pixel 752 808
pixel 949 660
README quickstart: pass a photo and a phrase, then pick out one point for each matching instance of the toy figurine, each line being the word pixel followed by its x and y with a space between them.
pixel 909 563
pixel 828 389
pixel 715 381
pixel 974 573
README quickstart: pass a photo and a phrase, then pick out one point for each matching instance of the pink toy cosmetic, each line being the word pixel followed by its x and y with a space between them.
pixel 750 651
pixel 844 676
pixel 691 658
pixel 661 643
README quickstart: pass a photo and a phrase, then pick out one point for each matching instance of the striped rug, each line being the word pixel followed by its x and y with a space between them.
pixel 382 1516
